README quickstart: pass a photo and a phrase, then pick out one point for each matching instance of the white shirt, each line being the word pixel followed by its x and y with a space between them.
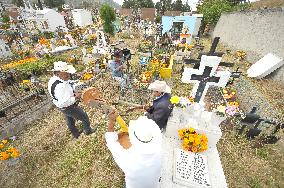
pixel 63 92
pixel 141 170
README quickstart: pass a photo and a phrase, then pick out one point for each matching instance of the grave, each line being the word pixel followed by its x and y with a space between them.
pixel 205 76
pixel 4 49
pixel 265 66
pixel 82 17
pixel 202 169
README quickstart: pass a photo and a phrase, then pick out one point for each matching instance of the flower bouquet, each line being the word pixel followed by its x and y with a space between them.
pixel 230 109
pixel 192 141
pixel 229 93
pixel 7 151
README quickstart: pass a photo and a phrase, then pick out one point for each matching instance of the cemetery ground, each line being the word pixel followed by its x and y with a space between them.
pixel 51 158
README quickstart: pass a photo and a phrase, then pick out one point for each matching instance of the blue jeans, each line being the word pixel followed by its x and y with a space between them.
pixel 72 113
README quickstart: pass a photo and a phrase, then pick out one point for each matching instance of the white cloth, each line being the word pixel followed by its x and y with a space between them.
pixel 63 92
pixel 141 170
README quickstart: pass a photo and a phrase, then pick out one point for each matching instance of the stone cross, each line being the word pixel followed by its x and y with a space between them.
pixel 205 76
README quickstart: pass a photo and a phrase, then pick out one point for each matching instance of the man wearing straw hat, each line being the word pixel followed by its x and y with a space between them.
pixel 66 99
pixel 162 107
pixel 141 162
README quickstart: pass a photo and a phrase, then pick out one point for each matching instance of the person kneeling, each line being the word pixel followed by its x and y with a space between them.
pixel 141 163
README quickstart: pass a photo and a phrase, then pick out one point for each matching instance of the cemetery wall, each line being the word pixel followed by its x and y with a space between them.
pixel 258 32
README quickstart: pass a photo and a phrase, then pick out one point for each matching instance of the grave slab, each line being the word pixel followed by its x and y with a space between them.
pixel 266 65
pixel 215 169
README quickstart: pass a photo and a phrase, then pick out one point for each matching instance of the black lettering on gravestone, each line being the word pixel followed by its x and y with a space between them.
pixel 204 79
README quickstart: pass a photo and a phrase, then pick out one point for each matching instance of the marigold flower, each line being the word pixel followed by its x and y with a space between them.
pixel 175 99
pixel 4 156
pixel 191 139
pixel 194 149
pixel 191 129
pixel 1 146
pixel 4 141
pixel 15 154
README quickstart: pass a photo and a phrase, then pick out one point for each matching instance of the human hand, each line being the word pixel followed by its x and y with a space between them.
pixel 146 107
pixel 112 115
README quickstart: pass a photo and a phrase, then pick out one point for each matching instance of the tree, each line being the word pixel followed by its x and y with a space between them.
pixel 107 14
pixel 163 6
pixel 54 3
pixel 135 4
pixel 19 3
pixel 186 8
pixel 177 6
pixel 212 10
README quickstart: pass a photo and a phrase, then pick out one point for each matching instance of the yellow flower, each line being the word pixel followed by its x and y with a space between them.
pixel 221 109
pixel 1 146
pixel 4 141
pixel 191 139
pixel 175 99
pixel 26 81
pixel 191 129
pixel 194 149
pixel 4 156
pixel 186 141
pixel 15 154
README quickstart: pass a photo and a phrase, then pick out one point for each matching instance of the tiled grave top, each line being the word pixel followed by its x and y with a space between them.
pixel 216 174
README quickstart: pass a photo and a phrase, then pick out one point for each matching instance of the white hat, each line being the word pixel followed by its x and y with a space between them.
pixel 145 135
pixel 160 86
pixel 62 66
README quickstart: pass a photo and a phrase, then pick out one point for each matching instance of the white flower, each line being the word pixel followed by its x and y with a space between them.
pixel 221 109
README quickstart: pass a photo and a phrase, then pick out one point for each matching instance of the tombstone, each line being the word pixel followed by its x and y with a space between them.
pixel 101 40
pixel 266 65
pixel 182 169
pixel 205 76
pixel 4 50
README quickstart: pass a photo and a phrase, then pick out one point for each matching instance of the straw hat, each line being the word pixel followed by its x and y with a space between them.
pixel 160 86
pixel 145 135
pixel 62 66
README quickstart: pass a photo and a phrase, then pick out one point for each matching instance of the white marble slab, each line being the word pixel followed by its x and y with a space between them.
pixel 216 174
pixel 265 66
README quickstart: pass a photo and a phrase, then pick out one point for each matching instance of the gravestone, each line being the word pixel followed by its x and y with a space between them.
pixel 205 76
pixel 181 169
pixel 265 66
pixel 4 50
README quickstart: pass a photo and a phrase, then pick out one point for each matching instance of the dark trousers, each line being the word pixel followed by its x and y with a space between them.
pixel 73 113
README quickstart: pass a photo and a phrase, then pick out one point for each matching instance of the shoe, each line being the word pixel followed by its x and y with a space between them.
pixel 91 131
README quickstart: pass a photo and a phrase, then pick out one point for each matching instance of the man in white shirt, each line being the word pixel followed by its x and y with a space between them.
pixel 66 99
pixel 141 163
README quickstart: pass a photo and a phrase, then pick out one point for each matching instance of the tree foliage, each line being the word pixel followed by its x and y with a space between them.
pixel 107 14
pixel 212 10
pixel 19 3
pixel 135 4
pixel 163 5
pixel 54 3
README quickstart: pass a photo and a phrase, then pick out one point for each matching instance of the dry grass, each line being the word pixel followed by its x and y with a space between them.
pixel 267 3
pixel 51 158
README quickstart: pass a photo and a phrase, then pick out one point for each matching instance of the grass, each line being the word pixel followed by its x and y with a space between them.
pixel 51 158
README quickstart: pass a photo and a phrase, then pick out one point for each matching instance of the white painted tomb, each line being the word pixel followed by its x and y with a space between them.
pixel 4 49
pixel 205 76
pixel 82 17
pixel 208 171
pixel 265 66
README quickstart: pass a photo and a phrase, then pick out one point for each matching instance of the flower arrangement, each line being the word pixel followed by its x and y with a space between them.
pixel 145 46
pixel 26 85
pixel 181 102
pixel 192 141
pixel 146 77
pixel 7 151
pixel 20 62
pixel 87 76
pixel 230 109
pixel 229 93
